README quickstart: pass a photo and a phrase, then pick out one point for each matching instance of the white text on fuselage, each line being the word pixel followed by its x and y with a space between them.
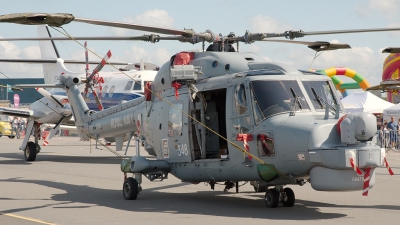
pixel 122 121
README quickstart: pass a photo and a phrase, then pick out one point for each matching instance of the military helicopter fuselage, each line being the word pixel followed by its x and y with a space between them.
pixel 199 115
pixel 229 116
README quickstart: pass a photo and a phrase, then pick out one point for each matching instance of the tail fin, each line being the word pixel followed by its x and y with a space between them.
pixel 48 50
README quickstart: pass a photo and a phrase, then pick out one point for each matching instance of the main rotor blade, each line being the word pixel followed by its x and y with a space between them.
pixel 53 19
pixel 150 38
pixel 59 19
pixel 297 34
pixel 391 50
pixel 133 26
pixel 350 31
pixel 66 61
pixel 104 38
pixel 315 45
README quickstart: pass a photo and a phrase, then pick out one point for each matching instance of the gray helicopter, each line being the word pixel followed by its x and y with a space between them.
pixel 225 116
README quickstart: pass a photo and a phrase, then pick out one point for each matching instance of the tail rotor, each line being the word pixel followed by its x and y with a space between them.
pixel 94 78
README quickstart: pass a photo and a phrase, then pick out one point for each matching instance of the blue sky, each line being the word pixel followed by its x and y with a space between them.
pixel 221 16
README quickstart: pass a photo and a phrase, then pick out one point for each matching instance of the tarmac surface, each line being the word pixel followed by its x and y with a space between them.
pixel 73 183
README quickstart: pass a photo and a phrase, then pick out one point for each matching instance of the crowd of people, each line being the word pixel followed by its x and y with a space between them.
pixel 388 134
pixel 18 126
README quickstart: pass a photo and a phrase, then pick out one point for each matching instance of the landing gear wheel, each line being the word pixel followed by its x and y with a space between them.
pixel 288 197
pixel 130 189
pixel 30 151
pixel 272 198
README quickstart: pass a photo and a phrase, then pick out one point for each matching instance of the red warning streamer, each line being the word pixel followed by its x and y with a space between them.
pixel 245 138
pixel 367 177
pixel 355 168
pixel 387 166
pixel 176 86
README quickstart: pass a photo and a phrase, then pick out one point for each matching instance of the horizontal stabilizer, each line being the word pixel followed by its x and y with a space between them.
pixel 16 112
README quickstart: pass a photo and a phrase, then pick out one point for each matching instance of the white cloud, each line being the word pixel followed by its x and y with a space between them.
pixel 9 50
pixel 158 57
pixel 394 33
pixel 154 17
pixel 388 8
pixel 265 24
pixel 31 52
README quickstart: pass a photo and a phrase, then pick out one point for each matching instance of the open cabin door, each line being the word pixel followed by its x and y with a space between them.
pixel 209 108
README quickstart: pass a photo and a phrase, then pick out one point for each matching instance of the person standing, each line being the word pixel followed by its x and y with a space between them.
pixel 21 126
pixel 15 127
pixel 393 128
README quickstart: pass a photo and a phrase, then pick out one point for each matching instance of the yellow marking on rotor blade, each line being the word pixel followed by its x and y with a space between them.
pixel 26 218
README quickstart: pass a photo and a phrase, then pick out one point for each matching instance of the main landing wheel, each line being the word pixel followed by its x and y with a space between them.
pixel 288 197
pixel 272 198
pixel 130 189
pixel 30 151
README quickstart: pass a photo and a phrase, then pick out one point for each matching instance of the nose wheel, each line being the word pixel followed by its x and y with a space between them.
pixel 272 198
pixel 285 196
pixel 288 197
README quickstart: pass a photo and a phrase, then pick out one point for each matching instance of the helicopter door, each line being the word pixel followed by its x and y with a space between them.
pixel 210 110
pixel 240 119
pixel 178 132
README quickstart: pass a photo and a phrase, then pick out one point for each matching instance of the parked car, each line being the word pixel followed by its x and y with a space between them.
pixel 5 129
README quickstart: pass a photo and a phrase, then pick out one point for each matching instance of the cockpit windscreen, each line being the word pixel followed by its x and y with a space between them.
pixel 275 97
pixel 321 94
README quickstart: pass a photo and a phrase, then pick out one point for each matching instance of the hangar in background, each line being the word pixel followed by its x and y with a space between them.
pixel 27 96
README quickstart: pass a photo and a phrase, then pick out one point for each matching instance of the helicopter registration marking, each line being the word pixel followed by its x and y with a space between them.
pixel 182 149
pixel 122 121
pixel 359 178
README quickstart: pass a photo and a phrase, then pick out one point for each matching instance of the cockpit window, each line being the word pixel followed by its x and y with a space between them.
pixel 321 94
pixel 128 85
pixel 137 86
pixel 275 97
pixel 240 100
pixel 240 114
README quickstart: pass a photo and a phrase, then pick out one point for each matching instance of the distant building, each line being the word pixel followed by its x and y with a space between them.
pixel 27 96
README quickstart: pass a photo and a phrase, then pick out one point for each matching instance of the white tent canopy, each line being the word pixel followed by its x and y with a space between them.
pixel 392 111
pixel 365 102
